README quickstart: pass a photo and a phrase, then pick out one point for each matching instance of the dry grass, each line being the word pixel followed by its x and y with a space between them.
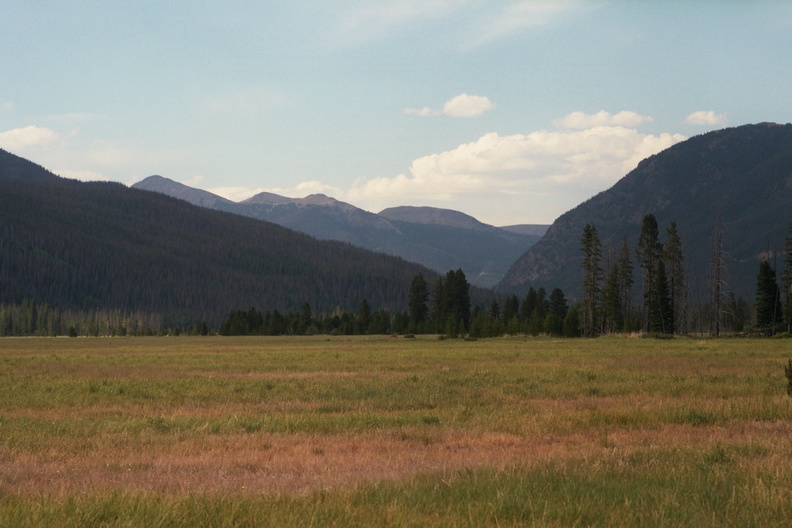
pixel 277 464
pixel 280 417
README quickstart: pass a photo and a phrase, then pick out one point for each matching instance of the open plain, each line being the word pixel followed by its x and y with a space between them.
pixel 391 431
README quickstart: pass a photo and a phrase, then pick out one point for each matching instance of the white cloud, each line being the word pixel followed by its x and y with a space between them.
pixel 504 179
pixel 462 105
pixel 531 177
pixel 581 121
pixel 20 139
pixel 7 106
pixel 706 117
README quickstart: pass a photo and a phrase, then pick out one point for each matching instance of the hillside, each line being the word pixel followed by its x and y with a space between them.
pixel 101 245
pixel 742 175
pixel 439 239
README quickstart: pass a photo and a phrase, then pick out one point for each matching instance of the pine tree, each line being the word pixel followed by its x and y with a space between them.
pixel 768 298
pixel 625 266
pixel 649 253
pixel 672 253
pixel 660 314
pixel 592 278
pixel 419 295
pixel 363 317
pixel 458 298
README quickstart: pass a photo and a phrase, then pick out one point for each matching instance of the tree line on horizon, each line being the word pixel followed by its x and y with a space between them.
pixel 606 307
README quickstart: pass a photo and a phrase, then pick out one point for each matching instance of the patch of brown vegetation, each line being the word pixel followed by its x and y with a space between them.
pixel 281 464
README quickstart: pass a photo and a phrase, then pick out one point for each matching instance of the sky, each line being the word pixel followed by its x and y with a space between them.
pixel 511 111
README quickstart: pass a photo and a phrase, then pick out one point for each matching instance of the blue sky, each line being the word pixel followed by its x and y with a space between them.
pixel 511 111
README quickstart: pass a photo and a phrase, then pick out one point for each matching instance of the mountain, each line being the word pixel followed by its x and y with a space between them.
pixel 439 239
pixel 100 245
pixel 742 175
pixel 433 216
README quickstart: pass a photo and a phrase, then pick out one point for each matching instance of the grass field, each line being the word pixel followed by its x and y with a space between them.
pixel 394 432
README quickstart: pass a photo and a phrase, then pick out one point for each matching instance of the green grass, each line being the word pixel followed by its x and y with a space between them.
pixel 502 432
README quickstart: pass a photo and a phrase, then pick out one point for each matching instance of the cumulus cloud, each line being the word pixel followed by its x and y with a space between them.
pixel 531 177
pixel 706 117
pixel 581 121
pixel 507 179
pixel 463 105
pixel 20 139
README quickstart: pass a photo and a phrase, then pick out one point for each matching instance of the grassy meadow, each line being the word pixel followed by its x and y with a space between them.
pixel 385 431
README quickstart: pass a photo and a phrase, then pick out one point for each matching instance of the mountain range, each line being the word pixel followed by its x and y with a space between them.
pixel 739 178
pixel 103 246
pixel 440 239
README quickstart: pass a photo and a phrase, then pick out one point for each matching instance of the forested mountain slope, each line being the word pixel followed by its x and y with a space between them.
pixel 742 175
pixel 439 239
pixel 101 245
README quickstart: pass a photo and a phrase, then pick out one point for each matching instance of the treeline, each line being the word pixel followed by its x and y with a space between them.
pixel 665 308
pixel 40 319
pixel 444 308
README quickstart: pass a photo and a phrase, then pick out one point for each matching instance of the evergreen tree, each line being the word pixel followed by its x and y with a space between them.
pixel 625 283
pixel 672 253
pixel 363 317
pixel 494 311
pixel 572 323
pixel 592 278
pixel 649 254
pixel 458 299
pixel 556 313
pixel 419 295
pixel 528 305
pixel 439 305
pixel 511 308
pixel 660 314
pixel 768 298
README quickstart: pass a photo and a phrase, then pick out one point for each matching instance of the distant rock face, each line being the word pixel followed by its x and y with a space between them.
pixel 440 239
pixel 740 175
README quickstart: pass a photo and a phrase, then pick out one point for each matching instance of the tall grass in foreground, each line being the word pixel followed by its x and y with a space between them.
pixel 679 488
pixel 394 432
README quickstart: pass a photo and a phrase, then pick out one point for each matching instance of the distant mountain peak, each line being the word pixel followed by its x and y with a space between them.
pixel 267 198
pixel 173 188
pixel 432 215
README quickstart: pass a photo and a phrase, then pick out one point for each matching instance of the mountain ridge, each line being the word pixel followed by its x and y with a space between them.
pixel 740 174
pixel 440 239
